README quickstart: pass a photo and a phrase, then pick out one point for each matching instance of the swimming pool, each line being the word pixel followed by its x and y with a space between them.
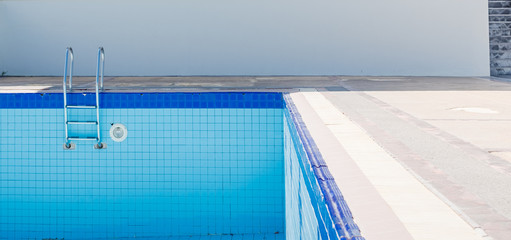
pixel 193 165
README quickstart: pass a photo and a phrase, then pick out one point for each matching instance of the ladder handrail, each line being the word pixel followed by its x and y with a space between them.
pixel 101 65
pixel 69 54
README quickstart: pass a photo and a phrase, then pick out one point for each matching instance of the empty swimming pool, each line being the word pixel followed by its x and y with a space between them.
pixel 186 166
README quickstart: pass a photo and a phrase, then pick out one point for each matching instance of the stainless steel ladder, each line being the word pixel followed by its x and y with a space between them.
pixel 99 84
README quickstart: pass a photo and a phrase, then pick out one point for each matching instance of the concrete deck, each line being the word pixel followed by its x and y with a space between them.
pixel 432 152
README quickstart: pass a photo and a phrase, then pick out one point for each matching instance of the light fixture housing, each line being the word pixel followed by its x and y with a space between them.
pixel 118 132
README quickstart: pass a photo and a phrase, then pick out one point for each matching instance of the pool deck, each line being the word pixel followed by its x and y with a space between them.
pixel 415 157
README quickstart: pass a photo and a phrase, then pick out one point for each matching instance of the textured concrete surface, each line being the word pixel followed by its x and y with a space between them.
pixel 450 133
pixel 459 154
pixel 171 84
pixel 280 83
pixel 425 216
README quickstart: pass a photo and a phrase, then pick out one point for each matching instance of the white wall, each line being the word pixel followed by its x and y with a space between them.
pixel 247 37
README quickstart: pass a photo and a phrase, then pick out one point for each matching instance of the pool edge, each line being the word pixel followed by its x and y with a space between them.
pixel 337 206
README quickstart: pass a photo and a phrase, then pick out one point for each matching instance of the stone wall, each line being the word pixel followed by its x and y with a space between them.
pixel 500 36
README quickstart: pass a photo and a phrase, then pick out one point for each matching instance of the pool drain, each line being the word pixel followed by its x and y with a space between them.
pixel 118 132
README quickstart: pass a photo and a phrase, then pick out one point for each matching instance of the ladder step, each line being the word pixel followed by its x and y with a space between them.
pixel 82 138
pixel 82 122
pixel 81 106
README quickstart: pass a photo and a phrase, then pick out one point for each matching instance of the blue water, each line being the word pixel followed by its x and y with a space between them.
pixel 238 172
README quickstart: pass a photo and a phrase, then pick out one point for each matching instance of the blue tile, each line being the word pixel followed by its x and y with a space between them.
pixel 146 100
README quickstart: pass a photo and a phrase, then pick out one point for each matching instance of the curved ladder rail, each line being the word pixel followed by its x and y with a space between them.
pixel 100 70
pixel 69 55
pixel 101 65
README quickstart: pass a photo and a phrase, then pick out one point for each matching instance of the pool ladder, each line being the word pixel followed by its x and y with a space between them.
pixel 68 145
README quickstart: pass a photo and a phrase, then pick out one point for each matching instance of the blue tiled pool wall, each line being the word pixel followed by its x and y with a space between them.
pixel 306 214
pixel 334 218
pixel 301 220
pixel 146 100
pixel 181 171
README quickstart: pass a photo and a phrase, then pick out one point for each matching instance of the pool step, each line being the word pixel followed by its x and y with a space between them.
pixel 82 138
pixel 82 122
pixel 81 106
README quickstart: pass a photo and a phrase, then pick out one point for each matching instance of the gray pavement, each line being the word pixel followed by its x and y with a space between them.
pixel 171 84
pixel 469 176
